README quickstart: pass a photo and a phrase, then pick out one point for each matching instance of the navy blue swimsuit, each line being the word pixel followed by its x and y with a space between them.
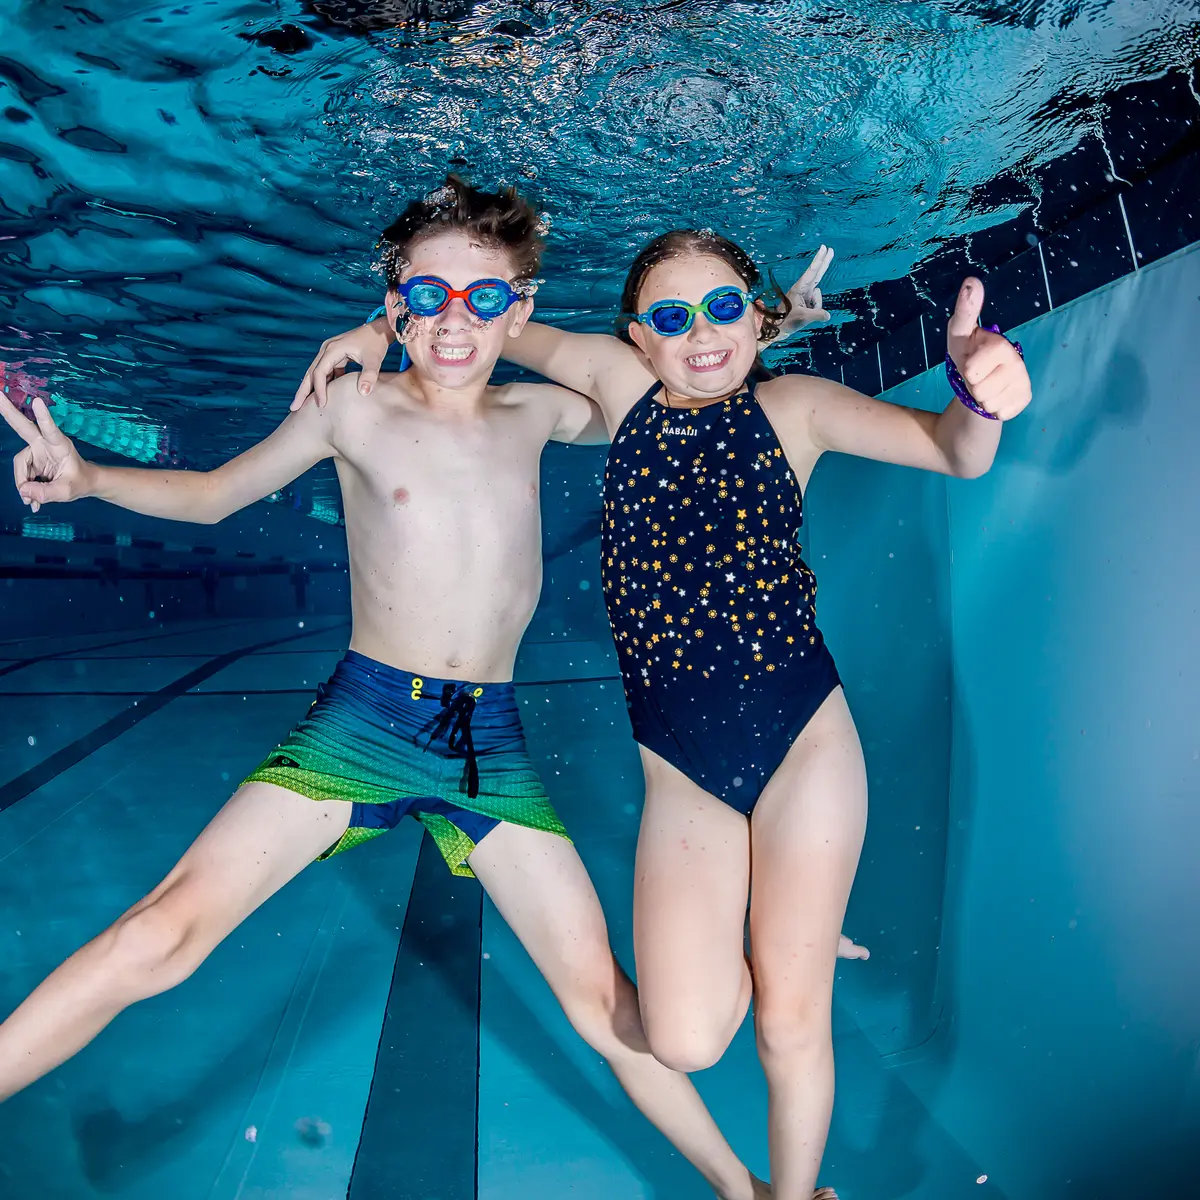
pixel 710 603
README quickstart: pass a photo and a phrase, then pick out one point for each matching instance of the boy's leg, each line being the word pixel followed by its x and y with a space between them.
pixel 541 888
pixel 262 838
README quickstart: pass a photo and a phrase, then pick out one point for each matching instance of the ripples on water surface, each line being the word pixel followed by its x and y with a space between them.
pixel 175 179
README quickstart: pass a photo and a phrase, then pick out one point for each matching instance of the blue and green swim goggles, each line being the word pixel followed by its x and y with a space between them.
pixel 722 306
pixel 427 295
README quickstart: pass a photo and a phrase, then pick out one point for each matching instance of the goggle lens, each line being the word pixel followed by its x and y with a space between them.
pixel 672 319
pixel 727 307
pixel 489 300
pixel 427 299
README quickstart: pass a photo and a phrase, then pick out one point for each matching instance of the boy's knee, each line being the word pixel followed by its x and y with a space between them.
pixel 601 1005
pixel 158 945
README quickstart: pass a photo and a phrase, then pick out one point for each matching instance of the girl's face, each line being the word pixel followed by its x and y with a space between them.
pixel 708 361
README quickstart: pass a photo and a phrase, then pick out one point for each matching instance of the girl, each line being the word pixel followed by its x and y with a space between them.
pixel 749 749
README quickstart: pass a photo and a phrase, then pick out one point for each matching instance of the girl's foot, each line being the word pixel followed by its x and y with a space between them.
pixel 762 1191
pixel 847 949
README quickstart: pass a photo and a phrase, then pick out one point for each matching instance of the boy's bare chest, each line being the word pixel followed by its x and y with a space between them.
pixel 403 462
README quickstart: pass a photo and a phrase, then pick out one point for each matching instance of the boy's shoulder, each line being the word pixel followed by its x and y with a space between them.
pixel 526 392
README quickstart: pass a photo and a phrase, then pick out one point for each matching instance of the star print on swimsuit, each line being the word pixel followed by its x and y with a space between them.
pixel 750 575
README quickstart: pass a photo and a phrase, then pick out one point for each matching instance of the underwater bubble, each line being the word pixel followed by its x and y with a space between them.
pixel 252 1133
pixel 313 1132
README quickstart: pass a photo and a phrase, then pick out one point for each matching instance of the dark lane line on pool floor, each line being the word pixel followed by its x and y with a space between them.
pixel 82 652
pixel 420 1132
pixel 62 760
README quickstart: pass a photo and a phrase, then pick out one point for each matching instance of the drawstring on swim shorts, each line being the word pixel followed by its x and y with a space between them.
pixel 454 721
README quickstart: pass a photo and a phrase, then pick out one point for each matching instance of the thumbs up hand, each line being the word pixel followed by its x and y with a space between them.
pixel 990 366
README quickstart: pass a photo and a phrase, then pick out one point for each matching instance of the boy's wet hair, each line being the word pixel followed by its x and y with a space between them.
pixel 501 220
pixel 772 303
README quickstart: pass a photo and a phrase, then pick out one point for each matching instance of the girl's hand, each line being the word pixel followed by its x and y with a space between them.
pixel 49 470
pixel 367 345
pixel 994 372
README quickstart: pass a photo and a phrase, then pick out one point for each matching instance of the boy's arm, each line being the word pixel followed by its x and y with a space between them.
pixel 50 470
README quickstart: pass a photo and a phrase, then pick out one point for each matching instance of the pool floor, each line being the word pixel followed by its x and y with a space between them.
pixel 374 1030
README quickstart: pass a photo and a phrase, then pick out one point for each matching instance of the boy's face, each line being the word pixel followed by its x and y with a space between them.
pixel 455 348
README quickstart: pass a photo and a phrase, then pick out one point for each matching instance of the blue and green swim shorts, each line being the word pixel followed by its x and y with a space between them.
pixel 396 744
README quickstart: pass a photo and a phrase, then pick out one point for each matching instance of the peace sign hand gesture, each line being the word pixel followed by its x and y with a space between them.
pixel 49 470
pixel 805 294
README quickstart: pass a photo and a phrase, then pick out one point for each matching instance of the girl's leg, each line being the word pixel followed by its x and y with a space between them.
pixel 262 838
pixel 807 833
pixel 689 907
pixel 541 888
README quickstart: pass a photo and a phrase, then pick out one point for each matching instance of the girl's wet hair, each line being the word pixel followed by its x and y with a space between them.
pixel 773 303
pixel 501 220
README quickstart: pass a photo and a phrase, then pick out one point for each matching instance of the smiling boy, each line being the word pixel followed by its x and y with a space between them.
pixel 438 470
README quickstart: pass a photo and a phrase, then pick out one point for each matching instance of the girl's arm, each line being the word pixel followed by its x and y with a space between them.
pixel 954 442
pixel 50 470
pixel 599 366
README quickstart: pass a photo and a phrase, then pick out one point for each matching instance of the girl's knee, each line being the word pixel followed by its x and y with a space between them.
pixel 692 1046
pixel 690 1029
pixel 792 1026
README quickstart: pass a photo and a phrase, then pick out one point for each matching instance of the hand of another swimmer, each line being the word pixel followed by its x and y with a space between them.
pixel 805 295
pixel 367 345
pixel 49 470
pixel 994 372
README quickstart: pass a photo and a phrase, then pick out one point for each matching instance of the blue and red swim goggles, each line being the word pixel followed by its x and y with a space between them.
pixel 427 296
pixel 670 318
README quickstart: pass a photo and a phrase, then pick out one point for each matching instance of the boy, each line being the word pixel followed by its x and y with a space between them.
pixel 439 474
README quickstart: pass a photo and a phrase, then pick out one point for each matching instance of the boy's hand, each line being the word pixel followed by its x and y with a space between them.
pixel 49 470
pixel 367 345
pixel 805 295
pixel 994 372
